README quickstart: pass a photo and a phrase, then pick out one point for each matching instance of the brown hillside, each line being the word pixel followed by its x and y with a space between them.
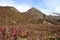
pixel 35 16
pixel 9 15
pixel 35 13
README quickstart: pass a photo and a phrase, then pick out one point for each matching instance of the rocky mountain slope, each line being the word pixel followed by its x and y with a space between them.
pixel 35 16
pixel 11 16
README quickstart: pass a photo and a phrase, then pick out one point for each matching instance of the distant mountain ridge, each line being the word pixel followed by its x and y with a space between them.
pixel 11 16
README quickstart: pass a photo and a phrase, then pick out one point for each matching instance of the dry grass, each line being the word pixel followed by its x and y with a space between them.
pixel 34 31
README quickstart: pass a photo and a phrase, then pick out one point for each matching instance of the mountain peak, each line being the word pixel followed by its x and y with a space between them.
pixel 33 8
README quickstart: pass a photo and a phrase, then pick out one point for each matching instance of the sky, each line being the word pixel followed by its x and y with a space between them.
pixel 46 6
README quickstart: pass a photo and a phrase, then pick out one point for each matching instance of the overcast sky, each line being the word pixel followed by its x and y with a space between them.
pixel 46 6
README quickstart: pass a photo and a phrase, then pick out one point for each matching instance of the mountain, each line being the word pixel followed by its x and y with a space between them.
pixel 9 15
pixel 36 15
pixel 53 19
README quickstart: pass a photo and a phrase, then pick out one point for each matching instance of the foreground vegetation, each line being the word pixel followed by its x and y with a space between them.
pixel 29 32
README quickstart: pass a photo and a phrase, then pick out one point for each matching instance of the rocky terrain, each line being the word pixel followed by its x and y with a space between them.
pixel 10 16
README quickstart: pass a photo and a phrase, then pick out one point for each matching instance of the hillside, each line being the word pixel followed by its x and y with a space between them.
pixel 35 16
pixel 53 19
pixel 9 15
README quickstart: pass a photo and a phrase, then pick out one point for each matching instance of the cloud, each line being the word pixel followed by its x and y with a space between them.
pixel 46 6
pixel 57 9
pixel 23 7
pixel 53 5
pixel 20 7
pixel 6 3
